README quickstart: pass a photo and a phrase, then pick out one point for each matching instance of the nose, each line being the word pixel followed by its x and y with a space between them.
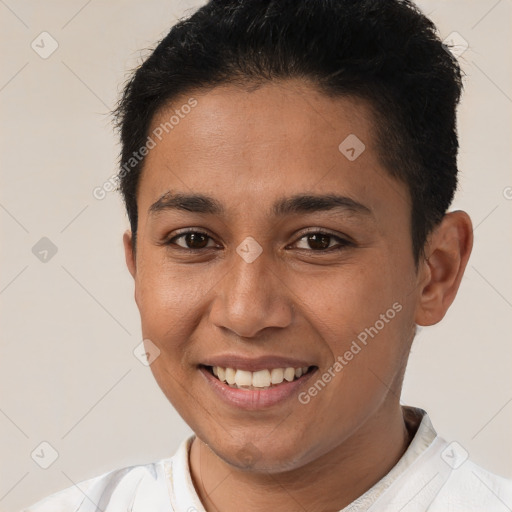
pixel 251 297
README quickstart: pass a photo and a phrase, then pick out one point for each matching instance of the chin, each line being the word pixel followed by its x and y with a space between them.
pixel 263 455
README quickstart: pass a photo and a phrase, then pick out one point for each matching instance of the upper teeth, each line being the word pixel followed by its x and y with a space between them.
pixel 259 379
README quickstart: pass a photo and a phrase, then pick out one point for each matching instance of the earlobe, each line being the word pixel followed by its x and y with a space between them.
pixel 447 253
pixel 128 252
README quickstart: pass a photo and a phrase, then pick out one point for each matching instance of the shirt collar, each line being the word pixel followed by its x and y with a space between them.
pixel 184 496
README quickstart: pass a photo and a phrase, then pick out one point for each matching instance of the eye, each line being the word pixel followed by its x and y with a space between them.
pixel 317 241
pixel 321 241
pixel 192 240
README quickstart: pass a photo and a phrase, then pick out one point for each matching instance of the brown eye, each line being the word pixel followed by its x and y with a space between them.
pixel 321 242
pixel 318 241
pixel 191 240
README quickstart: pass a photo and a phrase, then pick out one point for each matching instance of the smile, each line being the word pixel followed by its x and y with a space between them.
pixel 261 379
pixel 255 383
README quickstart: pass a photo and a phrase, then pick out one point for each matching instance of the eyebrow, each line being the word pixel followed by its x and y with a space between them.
pixel 297 204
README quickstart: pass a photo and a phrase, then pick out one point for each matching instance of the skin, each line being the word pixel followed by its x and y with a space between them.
pixel 247 149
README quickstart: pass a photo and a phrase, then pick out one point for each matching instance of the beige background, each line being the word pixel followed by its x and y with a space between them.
pixel 69 326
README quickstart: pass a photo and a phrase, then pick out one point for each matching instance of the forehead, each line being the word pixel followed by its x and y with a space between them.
pixel 256 144
pixel 273 113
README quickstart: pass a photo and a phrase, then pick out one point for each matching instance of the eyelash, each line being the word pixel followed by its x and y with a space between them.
pixel 342 242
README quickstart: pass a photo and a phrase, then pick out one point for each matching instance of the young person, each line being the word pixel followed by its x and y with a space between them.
pixel 287 168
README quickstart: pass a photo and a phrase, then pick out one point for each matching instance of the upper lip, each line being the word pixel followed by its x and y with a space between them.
pixel 254 364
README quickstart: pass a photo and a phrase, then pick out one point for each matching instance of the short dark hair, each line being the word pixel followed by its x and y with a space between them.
pixel 386 52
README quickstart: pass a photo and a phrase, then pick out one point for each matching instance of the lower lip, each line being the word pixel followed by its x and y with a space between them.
pixel 252 399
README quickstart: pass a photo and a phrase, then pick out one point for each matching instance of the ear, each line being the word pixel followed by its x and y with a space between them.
pixel 446 255
pixel 128 253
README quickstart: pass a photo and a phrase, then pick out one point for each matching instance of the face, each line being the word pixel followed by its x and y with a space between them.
pixel 297 254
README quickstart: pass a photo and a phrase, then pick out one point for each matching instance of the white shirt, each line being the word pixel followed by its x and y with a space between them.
pixel 432 475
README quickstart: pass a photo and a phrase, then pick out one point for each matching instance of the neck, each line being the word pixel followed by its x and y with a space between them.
pixel 329 483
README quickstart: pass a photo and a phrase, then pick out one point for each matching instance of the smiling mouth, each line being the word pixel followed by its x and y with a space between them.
pixel 261 379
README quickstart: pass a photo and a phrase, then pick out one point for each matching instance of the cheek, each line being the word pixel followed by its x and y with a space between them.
pixel 166 299
pixel 165 292
pixel 166 303
pixel 363 317
pixel 346 302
